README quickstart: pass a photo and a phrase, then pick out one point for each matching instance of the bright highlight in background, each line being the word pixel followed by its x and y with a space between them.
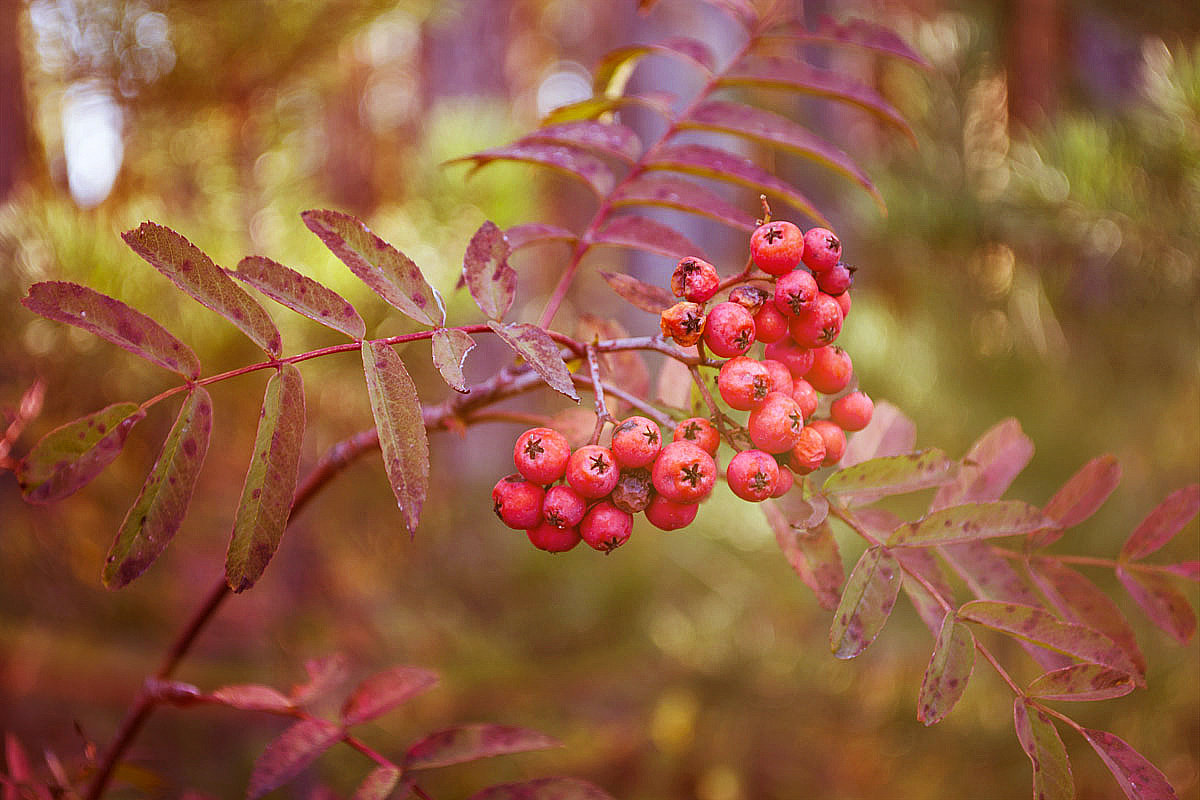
pixel 91 121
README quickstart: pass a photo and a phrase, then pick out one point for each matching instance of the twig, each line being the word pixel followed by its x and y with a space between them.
pixel 602 415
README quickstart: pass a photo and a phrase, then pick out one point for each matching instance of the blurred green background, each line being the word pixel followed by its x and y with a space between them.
pixel 1040 259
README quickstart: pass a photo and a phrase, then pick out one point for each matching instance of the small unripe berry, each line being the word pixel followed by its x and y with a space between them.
pixel 783 484
pixel 781 376
pixel 819 324
pixel 837 280
pixel 831 370
pixel 834 438
pixel 694 279
pixel 822 249
pixel 553 539
pixel 728 330
pixel 668 515
pixel 752 475
pixel 770 324
pixel 743 383
pixel 518 502
pixel 805 396
pixel 684 473
pixel 563 507
pixel 699 431
pixel 592 471
pixel 809 452
pixel 541 454
pixel 606 527
pixel 636 442
pixel 683 322
pixel 797 359
pixel 795 292
pixel 852 412
pixel 775 425
pixel 777 247
pixel 750 298
pixel 634 490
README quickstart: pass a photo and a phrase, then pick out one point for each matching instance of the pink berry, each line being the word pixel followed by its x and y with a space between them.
pixel 592 471
pixel 852 412
pixel 843 301
pixel 728 330
pixel 777 247
pixel 699 431
pixel 834 438
pixel 743 383
pixel 837 280
pixel 752 475
pixel 822 249
pixel 819 324
pixel 783 484
pixel 770 324
pixel 694 279
pixel 668 515
pixel 606 527
pixel 831 370
pixel 776 424
pixel 805 396
pixel 636 442
pixel 563 507
pixel 781 376
pixel 795 292
pixel 797 359
pixel 541 454
pixel 518 502
pixel 808 453
pixel 553 539
pixel 684 473
pixel 750 298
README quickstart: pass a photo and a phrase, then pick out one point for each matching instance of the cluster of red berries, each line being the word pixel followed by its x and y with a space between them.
pixel 560 497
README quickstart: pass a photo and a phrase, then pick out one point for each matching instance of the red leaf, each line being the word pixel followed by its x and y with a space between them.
pixel 567 159
pixel 491 281
pixel 640 233
pixel 70 456
pixel 160 507
pixel 1185 569
pixel 949 669
pixel 605 138
pixel 531 233
pixel 544 789
pixel 671 192
pixel 867 602
pixel 288 755
pixel 611 74
pixel 1041 742
pixel 854 32
pixel 924 562
pixel 450 348
pixel 270 484
pixel 867 481
pixel 324 674
pixel 195 273
pixel 253 697
pixel 1080 682
pixel 653 299
pixel 970 522
pixel 388 272
pixel 1079 498
pixel 113 321
pixel 301 294
pixel 889 433
pixel 1161 525
pixel 989 467
pixel 401 426
pixel 537 348
pixel 1166 606
pixel 812 553
pixel 710 162
pixel 379 784
pixel 470 742
pixel 385 691
pixel 1137 777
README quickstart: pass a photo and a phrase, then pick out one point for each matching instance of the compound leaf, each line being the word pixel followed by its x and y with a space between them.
pixel 671 192
pixel 463 743
pixel 491 281
pixel 949 669
pixel 537 348
pixel 567 159
pixel 653 299
pixel 1137 777
pixel 658 102
pixel 384 691
pixel 1165 605
pixel 1079 498
pixel 611 74
pixel 1041 742
pixel 253 697
pixel 450 348
pixel 1080 682
pixel 69 457
pixel 812 552
pixel 301 294
pixel 640 233
pixel 290 753
pixel 520 236
pixel 891 475
pixel 867 602
pixel 855 32
pixel 605 138
pixel 379 784
pixel 989 467
pixel 324 674
pixel 401 426
pixel 1161 525
pixel 970 522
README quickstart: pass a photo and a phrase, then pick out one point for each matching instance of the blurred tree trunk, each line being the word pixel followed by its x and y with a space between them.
pixel 15 138
pixel 1036 45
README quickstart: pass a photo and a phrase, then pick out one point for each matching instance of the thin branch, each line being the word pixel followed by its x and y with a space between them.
pixel 602 415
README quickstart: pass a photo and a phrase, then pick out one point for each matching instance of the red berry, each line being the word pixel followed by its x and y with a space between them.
pixel 783 483
pixel 633 491
pixel 694 279
pixel 563 507
pixel 776 424
pixel 852 412
pixel 699 431
pixel 809 452
pixel 750 298
pixel 819 324
pixel 797 359
pixel 684 473
pixel 606 527
pixel 592 471
pixel 843 301
pixel 770 325
pixel 728 330
pixel 805 396
pixel 553 539
pixel 834 438
pixel 837 280
pixel 781 376
pixel 518 502
pixel 541 454
pixel 743 383
pixel 667 515
pixel 831 370
pixel 636 442
pixel 752 475
pixel 795 292
pixel 822 249
pixel 683 322
pixel 777 247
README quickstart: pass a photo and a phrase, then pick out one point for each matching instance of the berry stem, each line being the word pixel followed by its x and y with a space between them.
pixel 663 419
pixel 602 415
pixel 1088 561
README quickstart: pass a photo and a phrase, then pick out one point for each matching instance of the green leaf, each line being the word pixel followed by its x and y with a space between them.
pixel 401 427
pixel 270 483
pixel 949 669
pixel 1041 742
pixel 287 756
pixel 491 281
pixel 537 348
pixel 888 475
pixel 161 505
pixel 653 299
pixel 388 272
pixel 1081 682
pixel 450 348
pixel 385 691
pixel 112 320
pixel 194 272
pixel 1137 777
pixel 611 75
pixel 463 743
pixel 867 602
pixel 1161 525
pixel 379 784
pixel 301 294
pixel 593 107
pixel 970 522
pixel 68 457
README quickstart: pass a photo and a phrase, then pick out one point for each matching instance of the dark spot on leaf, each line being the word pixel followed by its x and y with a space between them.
pixel 190 446
pixel 254 495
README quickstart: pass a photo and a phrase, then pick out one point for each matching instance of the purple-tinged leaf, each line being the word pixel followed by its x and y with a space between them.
pixel 1166 606
pixel 640 233
pixel 949 669
pixel 324 674
pixel 867 602
pixel 388 272
pixel 1041 742
pixel 270 483
pixel 593 107
pixel 925 563
pixel 385 691
pixel 776 72
pixel 537 348
pixel 854 32
pixel 816 560
pixel 398 419
pixel 20 782
pixel 253 697
pixel 1079 498
pixel 69 457
pixel 1046 630
pixel 194 272
pixel 671 192
pixel 113 321
pixel 520 236
pixel 567 159
pixel 653 299
pixel 1080 682
pixel 287 756
pixel 774 129
pixel 1185 569
pixel 1137 777
pixel 491 281
pixel 470 742
pixel 450 348
pixel 889 433
pixel 161 505
pixel 867 481
pixel 611 75
pixel 379 784
pixel 301 294
pixel 1079 600
pixel 989 467
pixel 544 789
pixel 970 522
pixel 710 162
pixel 1161 525
pixel 605 138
